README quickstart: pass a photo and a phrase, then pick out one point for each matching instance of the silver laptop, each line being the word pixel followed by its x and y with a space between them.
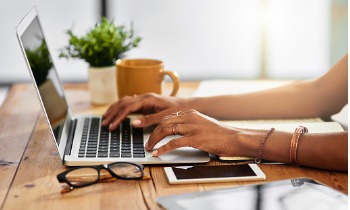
pixel 81 140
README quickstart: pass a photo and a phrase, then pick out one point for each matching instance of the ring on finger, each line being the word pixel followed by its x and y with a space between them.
pixel 175 130
pixel 177 113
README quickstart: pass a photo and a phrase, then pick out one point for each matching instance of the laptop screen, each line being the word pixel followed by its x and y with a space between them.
pixel 46 79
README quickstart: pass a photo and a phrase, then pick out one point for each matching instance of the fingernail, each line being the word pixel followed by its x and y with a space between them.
pixel 136 122
pixel 146 146
pixel 155 152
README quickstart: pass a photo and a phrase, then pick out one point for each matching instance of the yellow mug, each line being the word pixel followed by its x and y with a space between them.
pixel 139 76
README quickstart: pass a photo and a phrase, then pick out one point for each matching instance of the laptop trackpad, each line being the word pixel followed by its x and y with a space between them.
pixel 182 154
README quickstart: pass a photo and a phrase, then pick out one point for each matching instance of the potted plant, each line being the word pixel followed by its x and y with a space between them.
pixel 39 61
pixel 100 48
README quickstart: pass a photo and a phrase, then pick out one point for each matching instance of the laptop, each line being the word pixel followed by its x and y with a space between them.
pixel 81 140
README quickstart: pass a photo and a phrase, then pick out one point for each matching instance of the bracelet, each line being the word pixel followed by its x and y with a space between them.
pixel 258 159
pixel 294 144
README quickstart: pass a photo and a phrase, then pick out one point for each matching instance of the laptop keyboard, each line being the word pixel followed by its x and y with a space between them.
pixel 98 141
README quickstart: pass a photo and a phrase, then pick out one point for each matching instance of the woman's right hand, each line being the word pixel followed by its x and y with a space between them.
pixel 153 107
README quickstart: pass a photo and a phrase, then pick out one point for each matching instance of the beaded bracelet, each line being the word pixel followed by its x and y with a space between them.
pixel 258 159
pixel 294 144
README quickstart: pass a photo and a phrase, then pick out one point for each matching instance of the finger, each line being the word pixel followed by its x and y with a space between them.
pixel 172 119
pixel 186 117
pixel 179 113
pixel 189 111
pixel 107 120
pixel 184 124
pixel 158 134
pixel 111 109
pixel 151 119
pixel 171 145
pixel 169 126
pixel 111 114
pixel 121 111
pixel 162 131
pixel 122 114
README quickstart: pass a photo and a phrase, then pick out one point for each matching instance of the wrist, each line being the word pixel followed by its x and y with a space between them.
pixel 200 104
pixel 191 103
pixel 248 143
pixel 275 148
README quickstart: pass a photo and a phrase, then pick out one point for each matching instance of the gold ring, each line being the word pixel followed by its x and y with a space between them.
pixel 175 130
pixel 177 113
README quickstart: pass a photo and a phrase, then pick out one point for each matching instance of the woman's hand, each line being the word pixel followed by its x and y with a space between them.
pixel 197 131
pixel 153 106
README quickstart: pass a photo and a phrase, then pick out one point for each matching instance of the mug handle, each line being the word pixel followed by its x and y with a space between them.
pixel 176 81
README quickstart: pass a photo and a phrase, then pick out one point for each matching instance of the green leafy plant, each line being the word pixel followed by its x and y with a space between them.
pixel 102 45
pixel 39 61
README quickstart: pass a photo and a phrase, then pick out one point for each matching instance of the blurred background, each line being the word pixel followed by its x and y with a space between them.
pixel 200 39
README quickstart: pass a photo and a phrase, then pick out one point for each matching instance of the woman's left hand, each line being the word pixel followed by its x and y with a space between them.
pixel 197 131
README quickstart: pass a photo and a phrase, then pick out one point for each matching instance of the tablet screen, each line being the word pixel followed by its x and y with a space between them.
pixel 200 172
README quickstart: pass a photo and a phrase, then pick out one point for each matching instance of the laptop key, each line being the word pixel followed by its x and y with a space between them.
pixel 138 146
pixel 90 155
pixel 114 154
pixel 138 152
pixel 126 150
pixel 137 135
pixel 126 155
pixel 104 154
pixel 138 149
pixel 139 155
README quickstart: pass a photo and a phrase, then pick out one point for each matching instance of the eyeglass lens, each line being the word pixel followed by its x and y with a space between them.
pixel 87 175
pixel 82 176
pixel 126 170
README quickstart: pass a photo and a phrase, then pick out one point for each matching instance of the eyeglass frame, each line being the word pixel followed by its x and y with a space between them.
pixel 61 177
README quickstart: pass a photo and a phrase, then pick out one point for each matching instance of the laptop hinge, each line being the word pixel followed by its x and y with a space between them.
pixel 71 133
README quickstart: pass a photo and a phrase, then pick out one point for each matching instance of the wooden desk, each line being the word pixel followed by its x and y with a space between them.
pixel 29 163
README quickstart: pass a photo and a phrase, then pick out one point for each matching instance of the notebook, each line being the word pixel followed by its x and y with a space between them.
pixel 81 140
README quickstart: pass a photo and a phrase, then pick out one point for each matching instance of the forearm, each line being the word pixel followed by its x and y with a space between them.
pixel 325 151
pixel 283 102
pixel 303 99
pixel 321 97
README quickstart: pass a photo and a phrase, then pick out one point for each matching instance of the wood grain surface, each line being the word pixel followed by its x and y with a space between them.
pixel 29 163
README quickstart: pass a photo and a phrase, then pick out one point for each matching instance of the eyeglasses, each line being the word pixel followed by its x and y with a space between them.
pixel 87 175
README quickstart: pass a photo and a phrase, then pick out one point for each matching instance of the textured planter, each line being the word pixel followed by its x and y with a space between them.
pixel 102 85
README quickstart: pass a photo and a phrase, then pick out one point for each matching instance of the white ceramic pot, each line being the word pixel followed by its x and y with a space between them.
pixel 102 85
